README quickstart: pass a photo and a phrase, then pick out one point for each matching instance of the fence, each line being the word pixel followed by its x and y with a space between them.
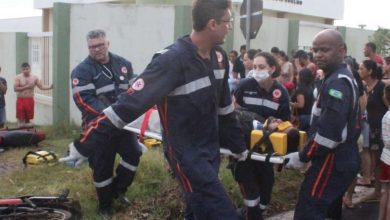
pixel 40 58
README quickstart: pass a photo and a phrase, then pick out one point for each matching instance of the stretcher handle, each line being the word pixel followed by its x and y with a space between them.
pixel 253 156
pixel 256 156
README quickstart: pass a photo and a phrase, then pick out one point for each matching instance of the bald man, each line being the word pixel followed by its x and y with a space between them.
pixel 332 147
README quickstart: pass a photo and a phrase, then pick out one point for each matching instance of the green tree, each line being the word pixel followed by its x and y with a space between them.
pixel 381 38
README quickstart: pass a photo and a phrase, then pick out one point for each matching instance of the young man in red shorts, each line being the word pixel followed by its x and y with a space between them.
pixel 24 85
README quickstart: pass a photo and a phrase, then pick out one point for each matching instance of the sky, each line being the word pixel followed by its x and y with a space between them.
pixel 372 13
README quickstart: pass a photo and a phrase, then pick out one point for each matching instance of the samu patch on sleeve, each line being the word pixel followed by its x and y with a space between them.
pixel 336 93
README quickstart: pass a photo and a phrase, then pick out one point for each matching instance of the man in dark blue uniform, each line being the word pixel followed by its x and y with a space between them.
pixel 332 147
pixel 96 84
pixel 266 97
pixel 188 82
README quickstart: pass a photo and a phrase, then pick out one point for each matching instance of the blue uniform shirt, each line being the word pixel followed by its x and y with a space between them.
pixel 335 121
pixel 193 100
pixel 275 102
pixel 97 86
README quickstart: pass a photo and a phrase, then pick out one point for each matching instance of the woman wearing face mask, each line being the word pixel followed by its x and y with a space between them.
pixel 265 96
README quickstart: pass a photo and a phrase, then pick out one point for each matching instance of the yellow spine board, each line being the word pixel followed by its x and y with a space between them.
pixel 302 139
pixel 278 140
pixel 33 159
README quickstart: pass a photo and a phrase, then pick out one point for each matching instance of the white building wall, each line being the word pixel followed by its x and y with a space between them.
pixel 28 24
pixel 307 31
pixel 43 110
pixel 273 32
pixel 320 8
pixel 134 32
pixel 8 71
pixel 356 40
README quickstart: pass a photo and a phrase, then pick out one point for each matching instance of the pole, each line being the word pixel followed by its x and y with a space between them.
pixel 248 24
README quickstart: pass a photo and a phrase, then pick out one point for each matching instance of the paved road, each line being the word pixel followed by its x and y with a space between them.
pixel 362 211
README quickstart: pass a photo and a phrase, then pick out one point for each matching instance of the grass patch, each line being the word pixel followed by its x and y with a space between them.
pixel 154 193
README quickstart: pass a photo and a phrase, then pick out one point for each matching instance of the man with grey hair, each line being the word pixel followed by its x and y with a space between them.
pixel 96 84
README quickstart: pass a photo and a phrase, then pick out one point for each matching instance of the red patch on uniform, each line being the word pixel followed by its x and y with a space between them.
pixel 75 81
pixel 124 70
pixel 277 93
pixel 138 84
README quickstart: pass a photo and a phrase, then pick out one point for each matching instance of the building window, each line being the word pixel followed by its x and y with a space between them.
pixel 35 54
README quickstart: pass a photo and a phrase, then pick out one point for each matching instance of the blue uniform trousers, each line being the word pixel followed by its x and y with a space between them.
pixel 322 185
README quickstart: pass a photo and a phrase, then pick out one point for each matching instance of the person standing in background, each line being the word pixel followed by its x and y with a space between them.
pixel 384 207
pixel 238 67
pixel 370 53
pixel 233 77
pixel 371 73
pixel 248 62
pixel 24 85
pixel 386 70
pixel 3 91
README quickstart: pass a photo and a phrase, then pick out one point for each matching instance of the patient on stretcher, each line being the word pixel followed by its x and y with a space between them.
pixel 280 137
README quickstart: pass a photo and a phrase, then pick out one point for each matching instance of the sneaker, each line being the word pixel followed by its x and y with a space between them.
pixel 240 214
pixel 122 200
pixel 1 150
pixel 106 213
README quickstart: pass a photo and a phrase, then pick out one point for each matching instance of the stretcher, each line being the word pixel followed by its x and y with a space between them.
pixel 153 130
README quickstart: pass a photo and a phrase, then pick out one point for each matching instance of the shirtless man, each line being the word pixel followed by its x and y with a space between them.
pixel 24 86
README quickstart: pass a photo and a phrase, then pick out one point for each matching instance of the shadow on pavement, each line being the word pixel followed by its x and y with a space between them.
pixel 362 211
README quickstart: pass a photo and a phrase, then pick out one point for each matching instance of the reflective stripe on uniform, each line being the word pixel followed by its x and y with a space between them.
pixel 262 207
pixel 252 203
pixel 78 89
pixel 261 102
pixel 270 104
pixel 103 183
pixel 114 118
pixel 326 142
pixel 104 89
pixel 191 87
pixel 219 73
pixel 124 86
pixel 316 111
pixel 127 165
pixel 352 83
pixel 344 134
pixel 226 110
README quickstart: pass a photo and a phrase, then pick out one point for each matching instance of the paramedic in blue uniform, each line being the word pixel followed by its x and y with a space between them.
pixel 96 84
pixel 332 148
pixel 266 97
pixel 189 83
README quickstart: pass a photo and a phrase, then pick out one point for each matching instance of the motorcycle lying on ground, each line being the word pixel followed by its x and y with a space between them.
pixel 40 207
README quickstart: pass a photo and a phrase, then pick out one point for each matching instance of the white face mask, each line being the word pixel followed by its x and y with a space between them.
pixel 260 75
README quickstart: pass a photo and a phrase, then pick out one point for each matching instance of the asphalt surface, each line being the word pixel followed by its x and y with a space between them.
pixel 361 210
